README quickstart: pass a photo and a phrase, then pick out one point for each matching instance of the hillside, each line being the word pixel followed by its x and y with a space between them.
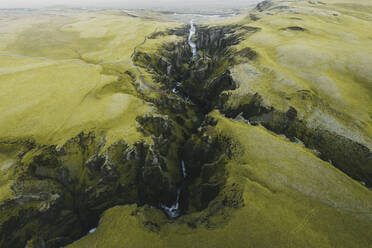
pixel 113 133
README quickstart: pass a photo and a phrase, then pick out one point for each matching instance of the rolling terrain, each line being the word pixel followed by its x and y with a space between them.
pixel 115 133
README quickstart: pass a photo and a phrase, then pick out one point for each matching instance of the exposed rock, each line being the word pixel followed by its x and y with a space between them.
pixel 59 193
pixel 347 155
pixel 264 5
pixel 65 190
pixel 294 28
pixel 247 52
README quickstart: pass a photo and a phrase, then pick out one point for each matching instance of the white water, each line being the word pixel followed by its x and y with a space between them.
pixel 174 210
pixel 183 169
pixel 191 43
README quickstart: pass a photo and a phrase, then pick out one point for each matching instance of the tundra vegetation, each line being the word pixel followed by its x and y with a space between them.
pixel 112 134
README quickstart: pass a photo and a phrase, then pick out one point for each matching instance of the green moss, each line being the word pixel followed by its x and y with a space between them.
pixel 76 81
pixel 251 188
pixel 291 198
pixel 329 68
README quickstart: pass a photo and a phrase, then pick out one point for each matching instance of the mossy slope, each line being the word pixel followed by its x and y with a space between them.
pixel 113 121
pixel 310 80
pixel 319 67
pixel 291 199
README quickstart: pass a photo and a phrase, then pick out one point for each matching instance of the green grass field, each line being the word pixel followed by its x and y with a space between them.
pixel 72 73
pixel 331 60
pixel 73 80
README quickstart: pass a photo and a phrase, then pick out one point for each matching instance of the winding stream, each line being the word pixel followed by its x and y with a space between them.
pixel 174 210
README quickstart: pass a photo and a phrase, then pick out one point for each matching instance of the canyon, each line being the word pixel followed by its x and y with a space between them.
pixel 244 133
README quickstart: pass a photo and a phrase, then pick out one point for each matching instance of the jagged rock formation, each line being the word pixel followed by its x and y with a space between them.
pixel 65 189
pixel 209 166
pixel 349 156
pixel 201 80
pixel 72 185
pixel 254 170
pixel 197 84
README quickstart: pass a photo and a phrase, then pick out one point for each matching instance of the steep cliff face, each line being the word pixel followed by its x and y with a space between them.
pixel 201 79
pixel 214 150
pixel 296 89
pixel 349 156
pixel 252 207
pixel 60 192
pixel 263 174
pixel 195 83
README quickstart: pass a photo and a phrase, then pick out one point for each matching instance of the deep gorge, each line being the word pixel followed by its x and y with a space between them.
pixel 77 182
pixel 184 164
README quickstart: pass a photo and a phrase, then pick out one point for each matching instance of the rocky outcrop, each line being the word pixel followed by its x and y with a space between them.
pixel 216 41
pixel 352 158
pixel 295 28
pixel 61 192
pixel 205 157
pixel 195 84
pixel 264 5
pixel 199 79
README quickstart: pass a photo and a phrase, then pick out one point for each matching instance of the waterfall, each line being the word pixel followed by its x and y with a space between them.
pixel 191 43
pixel 183 169
pixel 174 210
